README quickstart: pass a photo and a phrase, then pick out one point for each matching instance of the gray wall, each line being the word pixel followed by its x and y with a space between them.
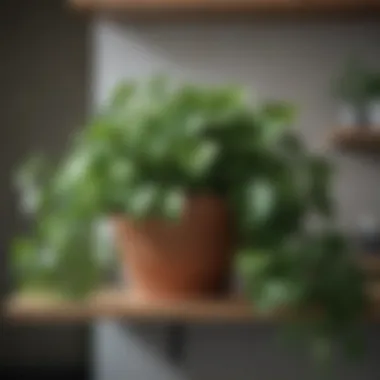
pixel 281 59
pixel 217 352
pixel 43 98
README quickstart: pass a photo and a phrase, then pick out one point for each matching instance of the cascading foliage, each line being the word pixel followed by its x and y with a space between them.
pixel 154 143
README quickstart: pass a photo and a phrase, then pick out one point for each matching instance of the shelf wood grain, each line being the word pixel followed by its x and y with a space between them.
pixel 120 304
pixel 359 139
pixel 228 6
pixel 43 308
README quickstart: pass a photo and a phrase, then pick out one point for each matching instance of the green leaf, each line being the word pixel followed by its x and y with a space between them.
pixel 276 117
pixel 260 200
pixel 194 124
pixel 159 147
pixel 29 181
pixel 122 93
pixel 24 255
pixel 275 294
pixel 141 203
pixel 74 169
pixel 122 171
pixel 103 242
pixel 252 264
pixel 320 185
pixel 202 157
pixel 173 203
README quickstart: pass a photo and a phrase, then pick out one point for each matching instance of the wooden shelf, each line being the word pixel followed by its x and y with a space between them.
pixel 231 6
pixel 358 139
pixel 38 308
pixel 119 304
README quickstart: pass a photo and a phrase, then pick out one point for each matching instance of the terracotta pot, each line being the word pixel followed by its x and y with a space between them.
pixel 184 259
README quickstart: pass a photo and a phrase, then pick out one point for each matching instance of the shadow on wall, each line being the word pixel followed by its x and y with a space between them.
pixel 216 352
pixel 132 351
pixel 43 76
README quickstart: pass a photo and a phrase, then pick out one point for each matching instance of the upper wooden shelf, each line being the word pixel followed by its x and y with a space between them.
pixel 119 304
pixel 32 308
pixel 357 139
pixel 231 6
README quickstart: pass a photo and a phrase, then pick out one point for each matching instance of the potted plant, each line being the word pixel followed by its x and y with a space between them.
pixel 351 90
pixel 192 180
pixel 373 108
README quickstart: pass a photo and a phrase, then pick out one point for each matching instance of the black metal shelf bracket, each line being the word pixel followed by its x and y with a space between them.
pixel 176 342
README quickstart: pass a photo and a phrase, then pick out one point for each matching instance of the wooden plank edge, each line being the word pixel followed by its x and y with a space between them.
pixel 356 138
pixel 217 6
pixel 119 305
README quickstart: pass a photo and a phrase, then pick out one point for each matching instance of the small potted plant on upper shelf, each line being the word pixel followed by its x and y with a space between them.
pixel 192 179
pixel 373 108
pixel 351 91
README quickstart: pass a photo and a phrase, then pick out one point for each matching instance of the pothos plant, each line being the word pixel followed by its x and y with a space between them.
pixel 154 143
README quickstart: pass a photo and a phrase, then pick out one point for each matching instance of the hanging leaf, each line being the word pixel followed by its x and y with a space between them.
pixel 276 294
pixel 30 181
pixel 320 185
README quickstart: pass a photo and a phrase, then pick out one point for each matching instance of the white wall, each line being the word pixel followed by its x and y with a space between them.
pixel 281 59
